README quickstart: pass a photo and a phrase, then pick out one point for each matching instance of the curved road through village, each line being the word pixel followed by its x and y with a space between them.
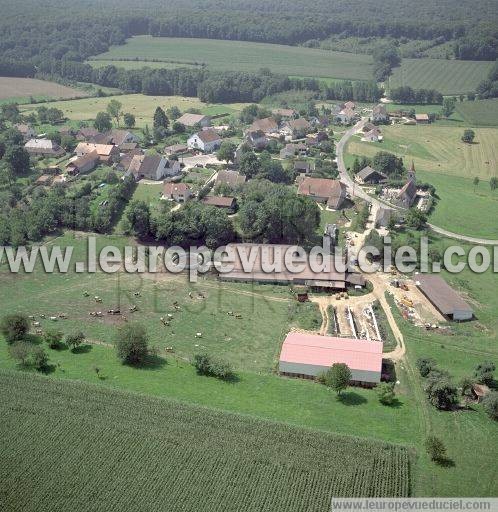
pixel 357 191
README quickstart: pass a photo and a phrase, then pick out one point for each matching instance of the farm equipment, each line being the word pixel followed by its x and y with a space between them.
pixel 406 302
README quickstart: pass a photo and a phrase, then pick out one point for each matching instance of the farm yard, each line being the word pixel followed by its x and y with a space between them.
pixel 245 56
pixel 446 76
pixel 141 106
pixel 19 89
pixel 150 454
pixel 442 159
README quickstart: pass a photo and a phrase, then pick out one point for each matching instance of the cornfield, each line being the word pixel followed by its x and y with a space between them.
pixel 68 446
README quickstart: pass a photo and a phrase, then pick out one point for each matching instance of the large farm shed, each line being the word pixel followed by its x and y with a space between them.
pixel 256 262
pixel 443 297
pixel 308 355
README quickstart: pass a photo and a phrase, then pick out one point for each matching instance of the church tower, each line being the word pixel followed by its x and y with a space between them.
pixel 411 173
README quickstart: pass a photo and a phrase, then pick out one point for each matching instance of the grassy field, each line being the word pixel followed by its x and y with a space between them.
pixel 141 106
pixel 18 89
pixel 151 454
pixel 250 342
pixel 446 76
pixel 479 113
pixel 442 159
pixel 246 56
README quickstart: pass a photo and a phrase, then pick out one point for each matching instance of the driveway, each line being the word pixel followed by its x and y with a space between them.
pixel 192 161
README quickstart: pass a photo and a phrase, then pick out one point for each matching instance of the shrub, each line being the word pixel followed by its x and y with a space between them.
pixel 53 339
pixel 206 365
pixel 435 448
pixel 441 392
pixel 484 372
pixel 132 344
pixel 38 358
pixel 74 340
pixel 490 404
pixel 14 327
pixel 385 392
pixel 425 365
pixel 20 351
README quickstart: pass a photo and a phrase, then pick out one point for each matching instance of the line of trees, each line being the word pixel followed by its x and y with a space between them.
pixel 28 33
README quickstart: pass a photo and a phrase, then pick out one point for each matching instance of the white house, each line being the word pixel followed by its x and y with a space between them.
pixel 205 140
pixel 155 167
pixel 179 192
pixel 379 114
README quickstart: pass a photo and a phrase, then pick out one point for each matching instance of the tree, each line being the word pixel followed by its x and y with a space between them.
pixel 74 340
pixel 493 183
pixel 416 219
pixel 114 110
pixel 20 351
pixel 103 122
pixel 226 151
pixel 468 136
pixel 129 120
pixel 435 448
pixel 174 112
pixel 53 338
pixel 160 119
pixel 448 106
pixel 38 358
pixel 490 404
pixel 385 392
pixel 138 215
pixel 18 160
pixel 484 372
pixel 337 377
pixel 14 327
pixel 249 164
pixel 475 182
pixel 441 392
pixel 132 344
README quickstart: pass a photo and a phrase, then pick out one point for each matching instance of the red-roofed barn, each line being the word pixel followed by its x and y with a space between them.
pixel 308 355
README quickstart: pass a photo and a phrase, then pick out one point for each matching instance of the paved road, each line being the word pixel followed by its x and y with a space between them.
pixel 462 238
pixel 357 191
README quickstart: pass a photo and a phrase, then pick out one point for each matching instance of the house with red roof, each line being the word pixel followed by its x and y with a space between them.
pixel 308 355
pixel 179 192
pixel 323 190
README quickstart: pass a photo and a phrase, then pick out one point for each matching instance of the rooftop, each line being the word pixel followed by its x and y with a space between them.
pixel 313 349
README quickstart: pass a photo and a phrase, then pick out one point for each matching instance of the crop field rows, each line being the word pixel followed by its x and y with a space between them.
pixel 446 76
pixel 80 447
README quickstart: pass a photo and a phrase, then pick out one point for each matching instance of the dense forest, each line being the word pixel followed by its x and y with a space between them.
pixel 33 31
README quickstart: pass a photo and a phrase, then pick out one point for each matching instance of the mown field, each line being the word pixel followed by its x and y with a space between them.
pixel 99 450
pixel 441 158
pixel 446 76
pixel 141 106
pixel 13 89
pixel 479 113
pixel 246 56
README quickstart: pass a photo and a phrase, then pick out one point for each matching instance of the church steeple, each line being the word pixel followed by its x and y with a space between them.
pixel 411 173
